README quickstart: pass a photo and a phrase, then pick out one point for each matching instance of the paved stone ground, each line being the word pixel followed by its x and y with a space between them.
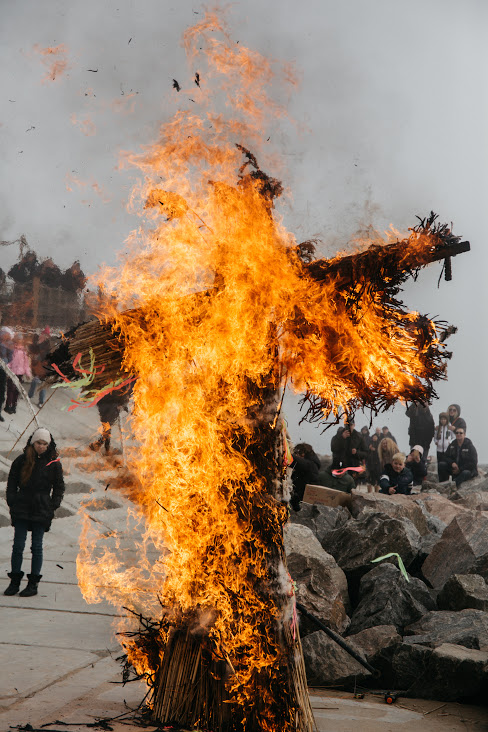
pixel 58 653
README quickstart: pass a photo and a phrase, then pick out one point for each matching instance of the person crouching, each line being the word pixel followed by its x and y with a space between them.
pixel 35 489
pixel 396 478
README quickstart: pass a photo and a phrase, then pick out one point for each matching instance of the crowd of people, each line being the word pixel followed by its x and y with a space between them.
pixel 374 457
pixel 24 357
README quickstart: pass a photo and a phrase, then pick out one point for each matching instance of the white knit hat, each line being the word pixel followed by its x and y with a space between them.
pixel 41 434
pixel 419 448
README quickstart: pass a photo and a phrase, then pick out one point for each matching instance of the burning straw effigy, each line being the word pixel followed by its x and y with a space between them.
pixel 218 310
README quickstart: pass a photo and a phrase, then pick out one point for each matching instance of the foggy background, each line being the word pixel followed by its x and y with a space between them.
pixel 391 116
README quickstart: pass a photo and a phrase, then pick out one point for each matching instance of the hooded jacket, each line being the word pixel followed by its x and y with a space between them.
pixel 458 421
pixel 37 500
pixel 443 434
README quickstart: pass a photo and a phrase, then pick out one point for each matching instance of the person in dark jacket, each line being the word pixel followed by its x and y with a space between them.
pixel 373 460
pixel 385 432
pixel 35 489
pixel 6 351
pixel 422 427
pixel 416 464
pixel 306 466
pixel 455 420
pixel 348 449
pixel 366 436
pixel 460 461
pixel 396 477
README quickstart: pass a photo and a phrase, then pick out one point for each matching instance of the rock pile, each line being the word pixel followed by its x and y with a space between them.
pixel 427 636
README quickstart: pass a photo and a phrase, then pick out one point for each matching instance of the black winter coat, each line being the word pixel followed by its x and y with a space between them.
pixel 465 457
pixel 41 496
pixel 422 425
pixel 401 482
pixel 342 455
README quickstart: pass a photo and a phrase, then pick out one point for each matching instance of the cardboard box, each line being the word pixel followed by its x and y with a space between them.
pixel 326 496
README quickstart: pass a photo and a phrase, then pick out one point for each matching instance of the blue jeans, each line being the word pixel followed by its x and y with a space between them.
pixel 20 536
pixel 34 384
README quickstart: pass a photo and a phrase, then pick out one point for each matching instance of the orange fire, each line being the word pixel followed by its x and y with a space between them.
pixel 216 310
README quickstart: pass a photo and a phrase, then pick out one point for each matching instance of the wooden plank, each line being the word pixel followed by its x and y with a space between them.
pixel 326 496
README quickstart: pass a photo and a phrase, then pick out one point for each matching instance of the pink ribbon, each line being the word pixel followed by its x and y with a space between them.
pixel 337 473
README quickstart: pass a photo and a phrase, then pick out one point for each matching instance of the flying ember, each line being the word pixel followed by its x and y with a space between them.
pixel 217 309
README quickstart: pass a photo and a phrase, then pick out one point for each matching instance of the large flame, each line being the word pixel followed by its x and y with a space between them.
pixel 216 312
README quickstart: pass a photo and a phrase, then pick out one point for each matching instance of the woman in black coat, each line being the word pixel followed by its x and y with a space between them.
pixel 35 489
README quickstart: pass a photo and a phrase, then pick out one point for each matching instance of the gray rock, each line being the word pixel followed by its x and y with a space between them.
pixel 445 489
pixel 467 628
pixel 3 475
pixel 321 584
pixel 463 591
pixel 327 663
pixel 474 500
pixel 397 506
pixel 427 543
pixel 386 598
pixel 379 644
pixel 435 525
pixel 320 519
pixel 480 567
pixel 355 544
pixel 446 673
pixel 440 506
pixel 464 541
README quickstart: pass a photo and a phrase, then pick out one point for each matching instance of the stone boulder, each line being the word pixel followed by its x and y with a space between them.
pixel 439 506
pixel 447 673
pixel 327 664
pixel 378 644
pixel 467 628
pixel 462 543
pixel 474 500
pixel 321 584
pixel 463 591
pixel 480 567
pixel 355 544
pixel 386 598
pixel 320 519
pixel 444 489
pixel 401 507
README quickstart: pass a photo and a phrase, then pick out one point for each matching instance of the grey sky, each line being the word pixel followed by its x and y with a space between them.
pixel 392 110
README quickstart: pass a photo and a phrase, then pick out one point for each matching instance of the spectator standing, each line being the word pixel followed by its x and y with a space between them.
pixel 373 460
pixel 461 459
pixel 40 347
pixel 366 436
pixel 385 432
pixel 348 449
pixel 454 419
pixel 396 478
pixel 35 489
pixel 19 365
pixel 6 355
pixel 305 466
pixel 416 464
pixel 422 427
pixel 444 435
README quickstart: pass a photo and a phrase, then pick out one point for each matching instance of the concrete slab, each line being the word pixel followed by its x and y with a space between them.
pixel 57 597
pixel 57 629
pixel 36 668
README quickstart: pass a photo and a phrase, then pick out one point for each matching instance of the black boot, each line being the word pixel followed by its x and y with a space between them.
pixel 15 579
pixel 31 588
